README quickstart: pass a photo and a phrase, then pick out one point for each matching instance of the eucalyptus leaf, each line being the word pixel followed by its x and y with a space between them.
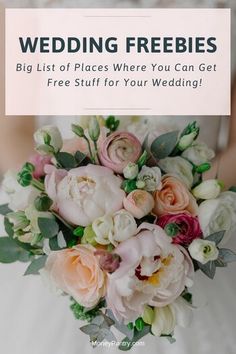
pixel 216 237
pixel 36 265
pixel 11 252
pixel 66 160
pixel 90 329
pixel 126 343
pixel 209 269
pixel 121 326
pixel 219 262
pixel 163 145
pixel 4 209
pixel 48 227
pixel 53 244
pixel 80 157
pixel 8 227
pixel 227 255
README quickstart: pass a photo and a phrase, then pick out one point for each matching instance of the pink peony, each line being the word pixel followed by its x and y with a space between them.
pixel 118 149
pixel 152 271
pixel 39 162
pixel 76 271
pixel 85 193
pixel 187 227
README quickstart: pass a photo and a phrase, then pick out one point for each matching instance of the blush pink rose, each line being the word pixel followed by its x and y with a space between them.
pixel 153 271
pixel 76 271
pixel 139 203
pixel 39 162
pixel 187 226
pixel 84 194
pixel 118 149
pixel 173 198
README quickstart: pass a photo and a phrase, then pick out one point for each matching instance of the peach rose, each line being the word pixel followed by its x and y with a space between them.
pixel 118 149
pixel 76 271
pixel 174 197
pixel 139 203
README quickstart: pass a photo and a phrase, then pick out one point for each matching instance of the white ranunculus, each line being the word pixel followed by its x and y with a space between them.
pixel 114 228
pixel 102 227
pixel 203 250
pixel 166 318
pixel 209 189
pixel 219 214
pixel 48 135
pixel 124 226
pixel 20 197
pixel 130 171
pixel 151 176
pixel 198 153
pixel 178 167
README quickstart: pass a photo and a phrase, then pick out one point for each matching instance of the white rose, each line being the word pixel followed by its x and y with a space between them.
pixel 198 153
pixel 178 167
pixel 130 171
pixel 114 228
pixel 124 226
pixel 50 136
pixel 203 250
pixel 103 227
pixel 166 318
pixel 151 176
pixel 208 189
pixel 219 214
pixel 20 197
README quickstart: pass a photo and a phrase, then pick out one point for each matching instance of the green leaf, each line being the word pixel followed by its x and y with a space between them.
pixel 80 157
pixel 164 145
pixel 232 189
pixel 121 326
pixel 209 269
pixel 53 244
pixel 8 227
pixel 11 252
pixel 48 227
pixel 90 329
pixel 216 237
pixel 36 265
pixel 4 209
pixel 126 343
pixel 66 160
pixel 227 255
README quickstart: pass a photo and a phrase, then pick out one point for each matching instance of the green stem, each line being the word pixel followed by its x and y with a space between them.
pixel 89 147
pixel 38 185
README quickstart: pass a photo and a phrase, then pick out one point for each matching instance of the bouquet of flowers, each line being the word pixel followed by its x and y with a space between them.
pixel 118 225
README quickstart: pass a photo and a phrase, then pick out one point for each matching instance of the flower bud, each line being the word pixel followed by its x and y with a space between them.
pixel 94 129
pixel 143 159
pixel 139 324
pixel 148 315
pixel 203 251
pixel 79 231
pixel 50 136
pixel 43 203
pixel 203 167
pixel 89 236
pixel 140 184
pixel 186 141
pixel 108 262
pixel 24 178
pixel 208 189
pixel 188 136
pixel 78 130
pixel 130 171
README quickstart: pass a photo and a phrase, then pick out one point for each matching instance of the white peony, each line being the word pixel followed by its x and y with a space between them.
pixel 208 189
pixel 114 228
pixel 20 197
pixel 203 250
pixel 151 176
pixel 178 167
pixel 219 214
pixel 166 318
pixel 198 153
